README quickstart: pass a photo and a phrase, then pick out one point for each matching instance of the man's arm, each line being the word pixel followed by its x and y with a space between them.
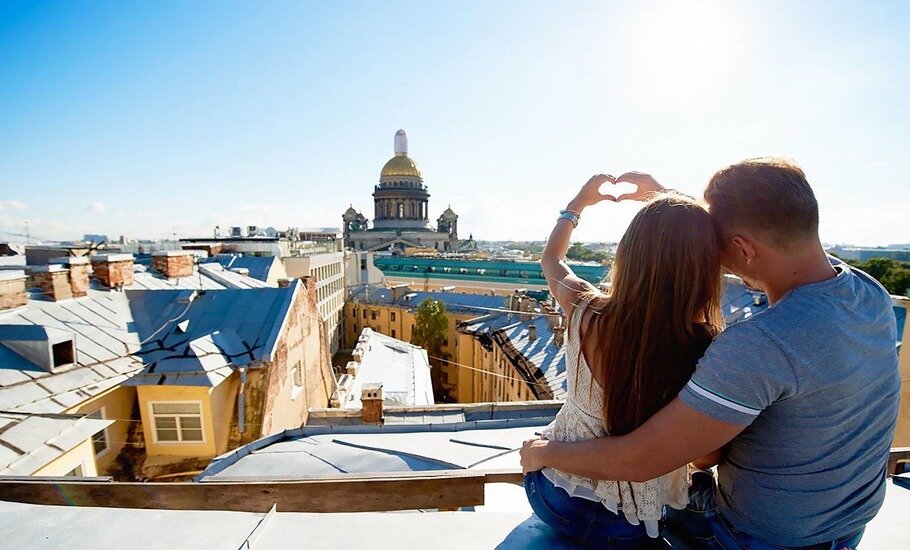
pixel 675 436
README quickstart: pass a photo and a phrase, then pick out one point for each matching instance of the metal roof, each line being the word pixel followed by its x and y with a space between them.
pixel 28 442
pixel 259 266
pixel 453 301
pixel 196 339
pixel 390 447
pixel 403 370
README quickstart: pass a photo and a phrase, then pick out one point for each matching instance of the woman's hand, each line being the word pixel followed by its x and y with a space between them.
pixel 647 187
pixel 590 193
pixel 531 455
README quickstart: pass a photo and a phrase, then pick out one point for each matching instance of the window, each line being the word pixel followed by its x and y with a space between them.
pixel 393 333
pixel 393 316
pixel 364 313
pixel 372 316
pixel 75 472
pixel 99 440
pixel 445 342
pixel 177 421
pixel 296 380
pixel 64 353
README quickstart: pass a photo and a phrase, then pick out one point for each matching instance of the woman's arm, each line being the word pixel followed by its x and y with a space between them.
pixel 564 285
pixel 709 460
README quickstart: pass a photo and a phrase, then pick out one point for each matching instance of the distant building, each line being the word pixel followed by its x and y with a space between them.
pixel 401 212
pixel 476 275
pixel 861 254
pixel 304 253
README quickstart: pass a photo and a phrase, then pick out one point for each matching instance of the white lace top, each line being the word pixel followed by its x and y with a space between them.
pixel 580 419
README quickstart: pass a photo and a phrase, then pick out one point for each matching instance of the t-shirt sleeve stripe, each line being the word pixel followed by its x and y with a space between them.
pixel 719 399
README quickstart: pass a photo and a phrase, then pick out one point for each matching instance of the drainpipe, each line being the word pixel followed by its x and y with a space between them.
pixel 241 408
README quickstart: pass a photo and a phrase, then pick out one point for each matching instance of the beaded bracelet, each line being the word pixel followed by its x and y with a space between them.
pixel 570 215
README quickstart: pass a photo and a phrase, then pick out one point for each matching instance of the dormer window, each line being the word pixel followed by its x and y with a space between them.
pixel 64 353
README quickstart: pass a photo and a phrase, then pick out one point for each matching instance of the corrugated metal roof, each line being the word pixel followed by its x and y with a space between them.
pixel 259 266
pixel 391 447
pixel 28 442
pixel 402 369
pixel 202 335
pixel 453 301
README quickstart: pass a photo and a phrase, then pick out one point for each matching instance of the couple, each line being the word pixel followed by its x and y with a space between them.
pixel 796 406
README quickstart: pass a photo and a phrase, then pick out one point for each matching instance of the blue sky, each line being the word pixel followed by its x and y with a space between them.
pixel 171 117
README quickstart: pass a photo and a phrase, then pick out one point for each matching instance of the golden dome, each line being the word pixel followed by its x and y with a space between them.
pixel 400 165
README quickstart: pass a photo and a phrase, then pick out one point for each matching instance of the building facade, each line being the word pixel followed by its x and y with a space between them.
pixel 401 217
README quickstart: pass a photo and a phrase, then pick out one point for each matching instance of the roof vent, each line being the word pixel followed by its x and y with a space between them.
pixel 50 348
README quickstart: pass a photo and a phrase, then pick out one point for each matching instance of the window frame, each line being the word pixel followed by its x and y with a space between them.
pixel 154 426
pixel 296 372
pixel 107 439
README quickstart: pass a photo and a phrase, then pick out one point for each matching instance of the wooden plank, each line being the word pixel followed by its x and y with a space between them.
pixel 897 456
pixel 354 493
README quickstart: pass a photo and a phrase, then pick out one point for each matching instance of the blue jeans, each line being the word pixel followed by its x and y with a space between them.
pixel 583 520
pixel 701 526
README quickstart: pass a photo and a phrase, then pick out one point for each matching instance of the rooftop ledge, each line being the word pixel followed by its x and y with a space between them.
pixel 274 513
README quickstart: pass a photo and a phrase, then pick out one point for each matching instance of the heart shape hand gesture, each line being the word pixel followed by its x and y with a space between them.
pixel 645 188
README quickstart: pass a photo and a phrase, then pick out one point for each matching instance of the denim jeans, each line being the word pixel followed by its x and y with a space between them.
pixel 701 526
pixel 585 521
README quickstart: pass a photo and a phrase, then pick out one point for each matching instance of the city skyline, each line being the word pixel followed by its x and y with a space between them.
pixel 152 120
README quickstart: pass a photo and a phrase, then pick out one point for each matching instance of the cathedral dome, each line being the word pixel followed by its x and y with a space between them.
pixel 400 165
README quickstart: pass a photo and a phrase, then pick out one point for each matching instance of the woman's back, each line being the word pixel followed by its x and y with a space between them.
pixel 581 418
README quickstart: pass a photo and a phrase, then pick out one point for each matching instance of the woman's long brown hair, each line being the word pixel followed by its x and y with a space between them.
pixel 660 314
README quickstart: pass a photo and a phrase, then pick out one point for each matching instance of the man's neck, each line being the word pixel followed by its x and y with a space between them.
pixel 798 269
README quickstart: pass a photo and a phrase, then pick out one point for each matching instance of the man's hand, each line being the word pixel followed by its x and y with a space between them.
pixel 531 453
pixel 647 186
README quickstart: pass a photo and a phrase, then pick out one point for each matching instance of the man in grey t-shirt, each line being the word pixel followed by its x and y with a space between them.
pixel 802 398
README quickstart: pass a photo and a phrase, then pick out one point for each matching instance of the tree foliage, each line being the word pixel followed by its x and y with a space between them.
pixel 431 326
pixel 894 275
pixel 580 252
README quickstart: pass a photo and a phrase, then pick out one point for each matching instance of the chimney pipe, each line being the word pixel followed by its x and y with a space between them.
pixel 53 280
pixel 532 333
pixel 113 270
pixel 79 268
pixel 174 263
pixel 371 398
pixel 13 289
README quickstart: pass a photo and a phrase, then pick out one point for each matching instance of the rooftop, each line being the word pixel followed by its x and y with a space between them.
pixel 471 437
pixel 453 301
pixel 29 441
pixel 403 370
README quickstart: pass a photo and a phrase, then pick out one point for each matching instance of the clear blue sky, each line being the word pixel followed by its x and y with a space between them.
pixel 146 119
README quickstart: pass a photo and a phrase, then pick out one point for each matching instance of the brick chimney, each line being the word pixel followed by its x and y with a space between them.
pixel 13 289
pixel 559 332
pixel 398 291
pixel 371 397
pixel 113 270
pixel 79 268
pixel 53 280
pixel 174 263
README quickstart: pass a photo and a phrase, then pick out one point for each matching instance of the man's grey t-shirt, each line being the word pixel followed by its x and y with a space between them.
pixel 815 379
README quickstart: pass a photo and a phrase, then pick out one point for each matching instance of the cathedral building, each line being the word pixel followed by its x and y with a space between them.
pixel 401 216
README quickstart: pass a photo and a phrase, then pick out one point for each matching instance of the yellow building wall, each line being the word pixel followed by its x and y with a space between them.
pixel 223 399
pixel 149 394
pixel 118 405
pixel 81 455
pixel 902 437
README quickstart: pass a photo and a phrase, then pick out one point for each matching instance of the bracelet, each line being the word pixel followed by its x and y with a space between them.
pixel 570 215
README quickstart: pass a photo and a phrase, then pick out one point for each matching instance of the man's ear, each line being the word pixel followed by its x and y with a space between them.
pixel 744 248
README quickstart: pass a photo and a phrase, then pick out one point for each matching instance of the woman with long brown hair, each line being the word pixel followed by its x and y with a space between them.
pixel 629 351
